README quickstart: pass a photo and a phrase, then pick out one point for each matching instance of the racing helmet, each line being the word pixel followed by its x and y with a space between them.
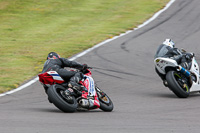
pixel 53 55
pixel 169 42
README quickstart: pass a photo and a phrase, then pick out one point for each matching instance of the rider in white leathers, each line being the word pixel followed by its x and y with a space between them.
pixel 167 49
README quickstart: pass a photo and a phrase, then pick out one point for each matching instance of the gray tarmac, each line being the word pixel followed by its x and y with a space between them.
pixel 124 69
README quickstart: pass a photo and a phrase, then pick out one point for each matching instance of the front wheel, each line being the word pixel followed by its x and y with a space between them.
pixel 178 84
pixel 55 95
pixel 105 102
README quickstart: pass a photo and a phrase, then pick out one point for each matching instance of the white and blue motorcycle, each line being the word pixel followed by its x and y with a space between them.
pixel 179 80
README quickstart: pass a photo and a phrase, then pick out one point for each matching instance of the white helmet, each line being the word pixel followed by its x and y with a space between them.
pixel 169 42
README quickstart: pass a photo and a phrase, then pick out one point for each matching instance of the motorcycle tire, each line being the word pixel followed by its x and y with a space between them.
pixel 105 102
pixel 54 95
pixel 172 80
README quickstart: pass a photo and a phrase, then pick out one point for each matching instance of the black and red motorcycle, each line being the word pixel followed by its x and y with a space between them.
pixel 55 89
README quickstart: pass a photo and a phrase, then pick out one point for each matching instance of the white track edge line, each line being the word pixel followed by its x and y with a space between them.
pixel 96 46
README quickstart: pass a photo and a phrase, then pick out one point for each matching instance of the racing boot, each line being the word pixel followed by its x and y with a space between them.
pixel 74 82
pixel 75 86
pixel 184 65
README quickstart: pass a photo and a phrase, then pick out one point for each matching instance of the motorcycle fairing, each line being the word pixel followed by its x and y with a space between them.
pixel 50 78
pixel 162 63
pixel 89 84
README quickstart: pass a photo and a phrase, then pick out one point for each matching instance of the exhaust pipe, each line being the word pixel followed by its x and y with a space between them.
pixel 184 71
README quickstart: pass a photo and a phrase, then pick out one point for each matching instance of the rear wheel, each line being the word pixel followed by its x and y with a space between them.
pixel 105 102
pixel 56 96
pixel 178 84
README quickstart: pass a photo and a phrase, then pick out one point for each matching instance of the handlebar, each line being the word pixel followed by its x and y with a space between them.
pixel 85 70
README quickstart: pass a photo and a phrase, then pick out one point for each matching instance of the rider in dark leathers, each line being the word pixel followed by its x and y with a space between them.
pixel 55 63
pixel 168 50
pixel 72 78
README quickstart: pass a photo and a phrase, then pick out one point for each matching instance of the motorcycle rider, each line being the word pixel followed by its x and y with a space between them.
pixel 55 63
pixel 167 49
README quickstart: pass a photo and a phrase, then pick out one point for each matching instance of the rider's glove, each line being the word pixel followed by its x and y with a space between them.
pixel 188 56
pixel 85 66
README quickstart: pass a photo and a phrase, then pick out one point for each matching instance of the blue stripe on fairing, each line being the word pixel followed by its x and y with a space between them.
pixel 91 81
pixel 55 75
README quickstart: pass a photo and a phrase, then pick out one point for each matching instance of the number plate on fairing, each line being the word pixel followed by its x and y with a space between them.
pixel 161 64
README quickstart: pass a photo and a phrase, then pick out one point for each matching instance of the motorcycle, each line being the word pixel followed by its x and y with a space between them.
pixel 55 88
pixel 179 80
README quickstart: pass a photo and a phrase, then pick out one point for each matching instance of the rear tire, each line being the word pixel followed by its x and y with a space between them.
pixel 54 95
pixel 105 102
pixel 173 84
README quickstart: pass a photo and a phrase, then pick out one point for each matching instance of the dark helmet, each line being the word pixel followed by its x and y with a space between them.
pixel 53 55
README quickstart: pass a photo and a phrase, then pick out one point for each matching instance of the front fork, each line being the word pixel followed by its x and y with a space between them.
pixel 183 82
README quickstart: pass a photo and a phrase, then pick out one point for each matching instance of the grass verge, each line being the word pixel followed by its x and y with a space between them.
pixel 30 29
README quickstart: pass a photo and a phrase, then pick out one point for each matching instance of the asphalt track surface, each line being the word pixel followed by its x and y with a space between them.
pixel 124 69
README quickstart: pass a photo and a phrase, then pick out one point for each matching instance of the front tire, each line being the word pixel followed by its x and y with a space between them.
pixel 174 83
pixel 105 102
pixel 55 96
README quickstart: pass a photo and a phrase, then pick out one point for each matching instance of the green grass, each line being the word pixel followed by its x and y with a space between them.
pixel 30 29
